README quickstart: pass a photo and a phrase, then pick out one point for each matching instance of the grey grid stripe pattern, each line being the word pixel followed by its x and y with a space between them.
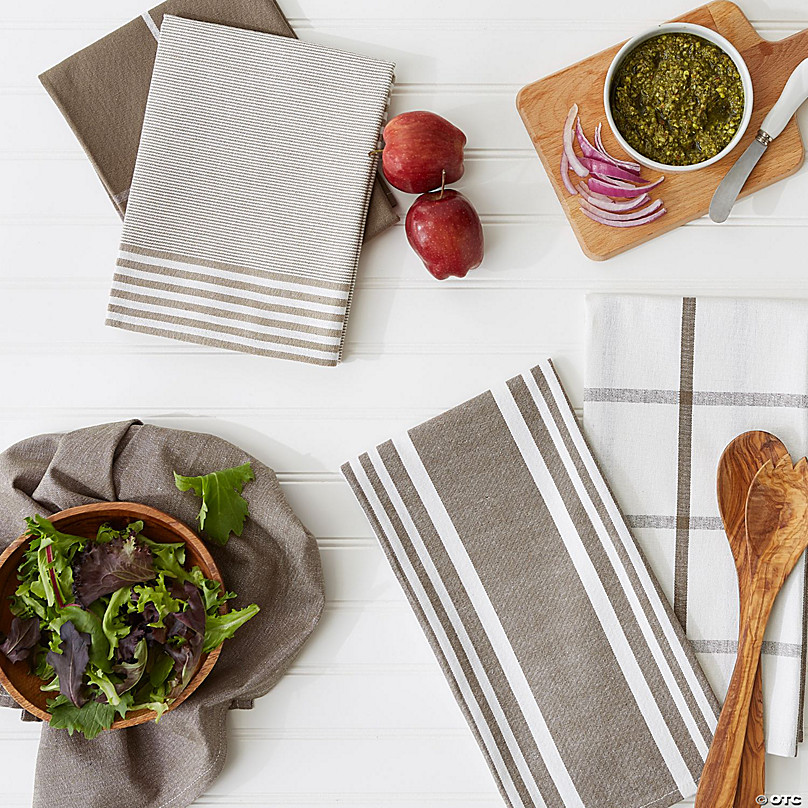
pixel 617 400
pixel 701 398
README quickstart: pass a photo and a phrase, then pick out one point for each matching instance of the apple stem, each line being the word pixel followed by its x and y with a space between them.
pixel 374 151
pixel 442 183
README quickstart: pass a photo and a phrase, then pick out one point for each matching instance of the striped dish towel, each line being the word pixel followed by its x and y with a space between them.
pixel 572 672
pixel 244 223
pixel 102 89
pixel 669 383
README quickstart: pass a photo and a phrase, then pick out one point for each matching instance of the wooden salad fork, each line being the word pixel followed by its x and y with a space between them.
pixel 740 462
pixel 777 535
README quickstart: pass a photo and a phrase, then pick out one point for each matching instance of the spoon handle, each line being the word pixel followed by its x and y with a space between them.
pixel 752 777
pixel 719 780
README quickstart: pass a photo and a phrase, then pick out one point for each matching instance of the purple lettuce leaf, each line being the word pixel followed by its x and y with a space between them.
pixel 189 628
pixel 106 568
pixel 128 645
pixel 22 638
pixel 132 672
pixel 71 664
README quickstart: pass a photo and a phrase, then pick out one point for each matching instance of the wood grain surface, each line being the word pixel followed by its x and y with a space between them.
pixel 543 106
pixel 737 468
pixel 84 520
pixel 777 535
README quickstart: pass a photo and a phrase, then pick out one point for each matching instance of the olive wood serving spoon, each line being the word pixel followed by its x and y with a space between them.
pixel 740 462
pixel 777 535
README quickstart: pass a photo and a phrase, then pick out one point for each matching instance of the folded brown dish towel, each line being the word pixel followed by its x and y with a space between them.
pixel 274 563
pixel 574 675
pixel 102 91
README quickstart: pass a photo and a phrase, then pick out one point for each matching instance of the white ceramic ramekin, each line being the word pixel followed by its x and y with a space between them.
pixel 710 36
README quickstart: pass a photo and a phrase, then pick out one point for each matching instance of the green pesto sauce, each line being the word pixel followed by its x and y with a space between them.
pixel 677 99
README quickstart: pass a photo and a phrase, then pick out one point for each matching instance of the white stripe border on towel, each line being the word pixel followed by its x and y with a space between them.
pixel 617 566
pixel 489 619
pixel 267 296
pixel 223 305
pixel 628 543
pixel 216 336
pixel 151 25
pixel 437 627
pixel 230 322
pixel 224 274
pixel 593 586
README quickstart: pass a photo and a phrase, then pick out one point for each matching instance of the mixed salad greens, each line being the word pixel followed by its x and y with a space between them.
pixel 223 508
pixel 116 623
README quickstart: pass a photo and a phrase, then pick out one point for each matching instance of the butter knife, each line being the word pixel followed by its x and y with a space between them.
pixel 794 93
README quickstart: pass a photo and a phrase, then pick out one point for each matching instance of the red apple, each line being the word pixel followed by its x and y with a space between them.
pixel 445 231
pixel 418 148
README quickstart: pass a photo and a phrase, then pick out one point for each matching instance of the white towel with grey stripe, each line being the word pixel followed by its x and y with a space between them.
pixel 571 670
pixel 669 383
pixel 246 213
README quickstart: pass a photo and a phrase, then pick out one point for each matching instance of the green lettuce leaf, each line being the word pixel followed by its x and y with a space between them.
pixel 220 627
pixel 106 533
pixel 161 669
pixel 105 685
pixel 158 706
pixel 49 558
pixel 223 508
pixel 155 602
pixel 113 624
pixel 90 719
pixel 169 558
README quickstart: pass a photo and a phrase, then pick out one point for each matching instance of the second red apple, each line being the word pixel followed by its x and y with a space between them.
pixel 444 229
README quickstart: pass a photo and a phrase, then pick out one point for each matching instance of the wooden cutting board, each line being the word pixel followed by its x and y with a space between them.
pixel 544 104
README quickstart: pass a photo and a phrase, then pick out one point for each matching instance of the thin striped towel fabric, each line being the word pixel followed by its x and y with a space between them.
pixel 670 381
pixel 571 670
pixel 244 222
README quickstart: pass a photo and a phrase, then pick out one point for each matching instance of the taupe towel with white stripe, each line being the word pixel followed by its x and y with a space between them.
pixel 568 664
pixel 102 91
pixel 244 224
pixel 669 383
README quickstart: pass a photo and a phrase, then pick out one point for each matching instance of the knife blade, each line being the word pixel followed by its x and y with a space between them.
pixel 727 192
pixel 794 93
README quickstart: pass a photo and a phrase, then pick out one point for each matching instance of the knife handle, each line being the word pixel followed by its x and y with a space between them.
pixel 794 93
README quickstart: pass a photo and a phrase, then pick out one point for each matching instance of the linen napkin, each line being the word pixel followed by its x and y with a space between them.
pixel 102 91
pixel 571 670
pixel 274 563
pixel 669 383
pixel 244 224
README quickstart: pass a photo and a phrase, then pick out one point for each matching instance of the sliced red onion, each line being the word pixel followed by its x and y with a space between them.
pixel 629 165
pixel 621 216
pixel 575 163
pixel 565 174
pixel 586 147
pixel 604 203
pixel 585 188
pixel 623 223
pixel 619 189
pixel 603 169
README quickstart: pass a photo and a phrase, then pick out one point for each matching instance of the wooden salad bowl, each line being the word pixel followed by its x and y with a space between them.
pixel 85 520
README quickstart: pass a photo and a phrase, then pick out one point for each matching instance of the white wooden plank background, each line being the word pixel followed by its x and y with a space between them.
pixel 364 717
